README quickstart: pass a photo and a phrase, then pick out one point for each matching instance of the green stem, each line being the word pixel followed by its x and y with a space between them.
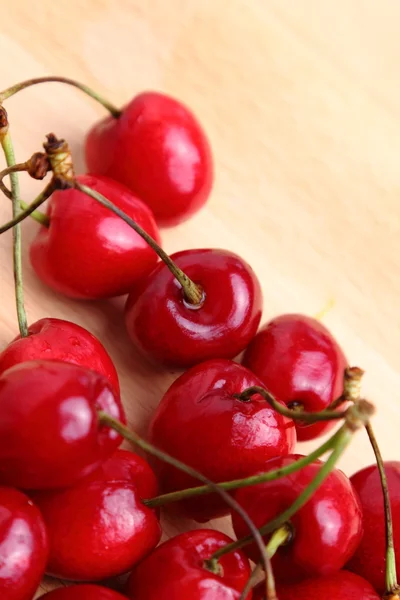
pixel 307 417
pixel 44 219
pixel 247 481
pixel 14 89
pixel 192 292
pixel 8 150
pixel 135 439
pixel 13 169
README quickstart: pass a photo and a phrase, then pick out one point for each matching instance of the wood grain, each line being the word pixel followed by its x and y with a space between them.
pixel 300 100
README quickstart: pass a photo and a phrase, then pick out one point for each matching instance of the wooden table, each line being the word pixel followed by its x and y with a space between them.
pixel 301 102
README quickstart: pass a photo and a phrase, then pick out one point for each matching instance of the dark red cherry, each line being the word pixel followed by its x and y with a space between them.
pixel 326 530
pixel 301 364
pixel 49 430
pixel 89 252
pixel 23 546
pixel 158 149
pixel 176 570
pixel 100 528
pixel 338 586
pixel 369 560
pixel 171 331
pixel 56 339
pixel 200 422
pixel 83 592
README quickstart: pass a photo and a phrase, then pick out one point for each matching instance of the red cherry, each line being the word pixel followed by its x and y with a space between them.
pixel 327 529
pixel 49 431
pixel 200 422
pixel 338 586
pixel 176 570
pixel 173 332
pixel 369 560
pixel 56 339
pixel 100 528
pixel 89 252
pixel 300 363
pixel 158 149
pixel 83 592
pixel 23 546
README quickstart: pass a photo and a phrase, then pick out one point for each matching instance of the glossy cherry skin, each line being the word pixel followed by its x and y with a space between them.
pixel 299 361
pixel 23 546
pixel 200 422
pixel 338 586
pixel 100 528
pixel 56 339
pixel 49 431
pixel 175 570
pixel 87 251
pixel 83 592
pixel 158 149
pixel 369 560
pixel 172 332
pixel 327 529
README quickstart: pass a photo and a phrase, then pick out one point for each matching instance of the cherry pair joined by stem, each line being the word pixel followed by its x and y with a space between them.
pixel 157 148
pixel 56 339
pixel 300 364
pixel 177 569
pixel 202 423
pixel 23 546
pixel 83 592
pixel 50 435
pixel 100 528
pixel 326 530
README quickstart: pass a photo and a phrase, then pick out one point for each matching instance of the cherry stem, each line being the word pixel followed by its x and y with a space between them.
pixel 324 415
pixel 351 387
pixel 108 421
pixel 31 208
pixel 14 89
pixel 13 169
pixel 192 292
pixel 247 481
pixel 8 149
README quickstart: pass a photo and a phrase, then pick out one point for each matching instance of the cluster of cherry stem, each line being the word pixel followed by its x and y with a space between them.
pixel 57 160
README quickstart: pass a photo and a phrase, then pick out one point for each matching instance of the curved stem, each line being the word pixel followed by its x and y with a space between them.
pixel 245 482
pixel 8 150
pixel 13 169
pixel 193 293
pixel 44 219
pixel 14 89
pixel 135 439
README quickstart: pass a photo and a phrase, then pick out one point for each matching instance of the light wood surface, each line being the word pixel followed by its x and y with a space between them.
pixel 301 102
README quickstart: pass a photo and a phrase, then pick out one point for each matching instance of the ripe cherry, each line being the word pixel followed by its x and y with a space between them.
pixel 174 332
pixel 49 430
pixel 200 422
pixel 301 364
pixel 157 148
pixel 83 592
pixel 338 586
pixel 326 530
pixel 89 252
pixel 56 339
pixel 177 570
pixel 100 528
pixel 369 560
pixel 23 546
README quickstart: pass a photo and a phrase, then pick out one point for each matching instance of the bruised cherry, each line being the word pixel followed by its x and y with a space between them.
pixel 83 592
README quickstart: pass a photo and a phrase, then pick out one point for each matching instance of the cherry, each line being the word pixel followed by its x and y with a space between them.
pixel 23 546
pixel 56 339
pixel 176 570
pixel 174 332
pixel 200 422
pixel 100 528
pixel 301 364
pixel 338 586
pixel 49 431
pixel 326 530
pixel 158 149
pixel 87 251
pixel 369 560
pixel 83 592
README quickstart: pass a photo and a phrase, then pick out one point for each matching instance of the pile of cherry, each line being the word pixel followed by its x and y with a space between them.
pixel 72 503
